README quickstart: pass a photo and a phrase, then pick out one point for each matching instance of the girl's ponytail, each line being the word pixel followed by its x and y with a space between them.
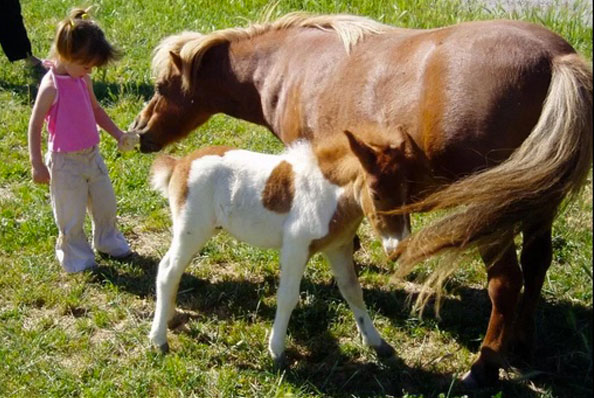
pixel 80 13
pixel 79 38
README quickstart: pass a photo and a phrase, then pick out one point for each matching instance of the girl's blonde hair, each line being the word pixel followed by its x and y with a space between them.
pixel 81 40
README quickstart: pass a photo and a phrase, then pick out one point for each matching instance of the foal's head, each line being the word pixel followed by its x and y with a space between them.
pixel 386 172
pixel 175 108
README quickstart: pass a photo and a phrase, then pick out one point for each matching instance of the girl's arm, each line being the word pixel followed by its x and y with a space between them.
pixel 43 102
pixel 102 119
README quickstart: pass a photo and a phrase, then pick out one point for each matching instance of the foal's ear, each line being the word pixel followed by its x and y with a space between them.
pixel 404 145
pixel 177 61
pixel 365 153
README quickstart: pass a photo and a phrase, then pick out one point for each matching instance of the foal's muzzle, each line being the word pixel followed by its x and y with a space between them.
pixel 390 244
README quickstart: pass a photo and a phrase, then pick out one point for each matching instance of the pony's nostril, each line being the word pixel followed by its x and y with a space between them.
pixel 134 125
pixel 137 126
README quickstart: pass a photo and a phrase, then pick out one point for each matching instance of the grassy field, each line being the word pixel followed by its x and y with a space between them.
pixel 85 335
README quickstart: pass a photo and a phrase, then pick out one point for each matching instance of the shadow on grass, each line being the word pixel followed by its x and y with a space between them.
pixel 103 91
pixel 113 92
pixel 135 274
pixel 26 92
pixel 561 365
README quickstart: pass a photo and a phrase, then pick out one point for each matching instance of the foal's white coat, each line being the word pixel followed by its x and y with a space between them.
pixel 226 192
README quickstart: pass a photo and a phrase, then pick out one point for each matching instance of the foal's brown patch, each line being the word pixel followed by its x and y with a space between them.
pixel 279 191
pixel 179 179
pixel 343 224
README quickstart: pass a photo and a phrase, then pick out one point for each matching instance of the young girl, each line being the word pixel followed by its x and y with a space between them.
pixel 75 170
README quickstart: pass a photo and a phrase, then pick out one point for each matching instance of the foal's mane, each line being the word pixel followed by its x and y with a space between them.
pixel 192 46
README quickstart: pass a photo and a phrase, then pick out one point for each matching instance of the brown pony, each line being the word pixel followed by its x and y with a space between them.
pixel 500 110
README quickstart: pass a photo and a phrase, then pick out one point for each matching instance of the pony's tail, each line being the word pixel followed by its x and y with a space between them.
pixel 161 172
pixel 551 164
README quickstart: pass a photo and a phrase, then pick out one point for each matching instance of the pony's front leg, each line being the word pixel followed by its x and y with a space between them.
pixel 293 260
pixel 341 260
pixel 171 269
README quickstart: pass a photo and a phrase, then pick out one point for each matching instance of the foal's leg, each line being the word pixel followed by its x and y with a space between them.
pixel 184 245
pixel 341 260
pixel 537 254
pixel 294 257
pixel 504 284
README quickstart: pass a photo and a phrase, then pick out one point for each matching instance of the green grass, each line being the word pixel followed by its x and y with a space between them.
pixel 85 335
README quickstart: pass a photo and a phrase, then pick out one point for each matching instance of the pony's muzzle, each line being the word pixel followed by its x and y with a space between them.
pixel 147 145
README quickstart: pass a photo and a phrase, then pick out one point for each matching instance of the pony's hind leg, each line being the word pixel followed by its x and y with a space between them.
pixel 504 285
pixel 341 261
pixel 537 254
pixel 183 246
pixel 294 257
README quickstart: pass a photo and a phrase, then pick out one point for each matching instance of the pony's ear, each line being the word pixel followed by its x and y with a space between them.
pixel 365 153
pixel 177 61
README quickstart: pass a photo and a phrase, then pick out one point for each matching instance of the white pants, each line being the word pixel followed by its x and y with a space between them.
pixel 79 181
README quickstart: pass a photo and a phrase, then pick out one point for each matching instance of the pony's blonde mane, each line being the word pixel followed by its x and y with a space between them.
pixel 161 65
pixel 192 46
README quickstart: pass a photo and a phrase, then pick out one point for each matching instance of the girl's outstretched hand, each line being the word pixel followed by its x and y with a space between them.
pixel 128 141
pixel 40 174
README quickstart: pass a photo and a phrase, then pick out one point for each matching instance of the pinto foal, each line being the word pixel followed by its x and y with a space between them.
pixel 278 201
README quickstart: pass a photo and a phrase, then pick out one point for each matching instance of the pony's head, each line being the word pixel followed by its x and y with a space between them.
pixel 176 108
pixel 387 170
pixel 196 77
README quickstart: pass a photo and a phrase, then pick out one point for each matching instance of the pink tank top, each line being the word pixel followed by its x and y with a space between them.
pixel 70 121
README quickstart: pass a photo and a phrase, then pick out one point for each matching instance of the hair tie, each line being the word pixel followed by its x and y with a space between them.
pixel 85 16
pixel 71 23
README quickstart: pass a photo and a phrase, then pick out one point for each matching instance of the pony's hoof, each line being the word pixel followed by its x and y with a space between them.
pixel 469 381
pixel 384 350
pixel 481 378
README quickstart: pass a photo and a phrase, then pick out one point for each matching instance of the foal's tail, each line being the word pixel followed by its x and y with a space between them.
pixel 161 172
pixel 552 163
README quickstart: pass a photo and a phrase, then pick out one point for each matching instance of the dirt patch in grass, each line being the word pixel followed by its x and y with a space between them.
pixel 6 195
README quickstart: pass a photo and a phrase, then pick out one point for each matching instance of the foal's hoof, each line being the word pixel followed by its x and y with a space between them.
pixel 164 348
pixel 384 350
pixel 280 363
